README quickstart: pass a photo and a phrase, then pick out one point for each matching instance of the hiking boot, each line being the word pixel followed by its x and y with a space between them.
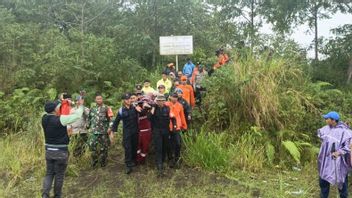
pixel 103 162
pixel 128 170
pixel 160 171
pixel 172 163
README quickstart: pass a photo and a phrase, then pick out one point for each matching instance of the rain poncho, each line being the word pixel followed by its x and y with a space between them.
pixel 188 69
pixel 340 135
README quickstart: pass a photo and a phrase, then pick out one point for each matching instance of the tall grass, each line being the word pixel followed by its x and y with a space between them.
pixel 271 95
pixel 258 91
pixel 22 153
pixel 220 153
pixel 248 154
pixel 207 150
pixel 23 157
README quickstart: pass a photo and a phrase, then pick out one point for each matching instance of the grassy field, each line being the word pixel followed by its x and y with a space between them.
pixel 22 168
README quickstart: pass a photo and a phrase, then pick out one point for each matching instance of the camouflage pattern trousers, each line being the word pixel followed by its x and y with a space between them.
pixel 99 145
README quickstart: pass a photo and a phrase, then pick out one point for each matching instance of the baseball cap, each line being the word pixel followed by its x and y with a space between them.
pixel 126 96
pixel 178 90
pixel 139 87
pixel 175 95
pixel 50 106
pixel 332 115
pixel 160 98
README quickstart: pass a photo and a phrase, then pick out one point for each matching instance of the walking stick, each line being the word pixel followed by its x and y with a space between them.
pixel 333 149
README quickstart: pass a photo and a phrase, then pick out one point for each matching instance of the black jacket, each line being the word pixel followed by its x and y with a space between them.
pixel 129 117
pixel 54 132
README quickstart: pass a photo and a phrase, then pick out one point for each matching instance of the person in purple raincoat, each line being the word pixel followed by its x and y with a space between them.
pixel 334 164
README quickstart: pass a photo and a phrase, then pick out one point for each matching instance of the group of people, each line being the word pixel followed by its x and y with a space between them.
pixel 161 115
pixel 146 114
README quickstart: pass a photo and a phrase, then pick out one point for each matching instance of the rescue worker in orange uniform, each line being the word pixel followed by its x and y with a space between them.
pixel 188 92
pixel 177 124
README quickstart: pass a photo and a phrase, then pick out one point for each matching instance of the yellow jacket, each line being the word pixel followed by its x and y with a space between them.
pixel 167 83
pixel 147 90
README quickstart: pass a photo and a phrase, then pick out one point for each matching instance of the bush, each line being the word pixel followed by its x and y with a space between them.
pixel 19 108
pixel 207 150
pixel 221 153
pixel 274 97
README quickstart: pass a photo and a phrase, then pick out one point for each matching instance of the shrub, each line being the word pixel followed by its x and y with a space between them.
pixel 207 150
pixel 275 97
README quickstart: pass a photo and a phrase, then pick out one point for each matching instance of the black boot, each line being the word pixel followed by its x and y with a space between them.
pixel 128 170
pixel 172 163
pixel 103 164
pixel 160 171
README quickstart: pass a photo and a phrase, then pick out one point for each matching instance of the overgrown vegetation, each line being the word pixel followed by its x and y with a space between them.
pixel 258 118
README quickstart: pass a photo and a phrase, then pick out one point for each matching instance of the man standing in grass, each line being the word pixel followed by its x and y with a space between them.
pixel 129 116
pixel 178 123
pixel 160 118
pixel 56 145
pixel 334 155
pixel 100 120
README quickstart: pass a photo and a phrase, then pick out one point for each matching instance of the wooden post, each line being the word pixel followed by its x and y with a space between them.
pixel 176 63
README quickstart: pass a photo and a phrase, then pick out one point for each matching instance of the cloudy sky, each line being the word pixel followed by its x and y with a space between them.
pixel 325 25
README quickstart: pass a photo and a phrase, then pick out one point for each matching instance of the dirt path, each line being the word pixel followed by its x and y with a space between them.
pixel 111 181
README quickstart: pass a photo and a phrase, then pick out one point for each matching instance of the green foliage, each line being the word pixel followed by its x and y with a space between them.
pixel 261 92
pixel 262 105
pixel 337 66
pixel 270 153
pixel 207 150
pixel 293 150
pixel 249 152
pixel 274 98
pixel 19 108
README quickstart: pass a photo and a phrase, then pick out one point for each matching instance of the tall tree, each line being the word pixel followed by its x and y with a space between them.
pixel 244 13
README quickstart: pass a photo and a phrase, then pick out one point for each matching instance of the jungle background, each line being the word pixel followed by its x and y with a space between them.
pixel 253 136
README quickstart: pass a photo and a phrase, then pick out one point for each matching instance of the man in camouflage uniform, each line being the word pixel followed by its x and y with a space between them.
pixel 100 121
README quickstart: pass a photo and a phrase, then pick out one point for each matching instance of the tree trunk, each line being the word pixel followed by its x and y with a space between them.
pixel 252 23
pixel 349 72
pixel 316 42
pixel 82 30
pixel 155 32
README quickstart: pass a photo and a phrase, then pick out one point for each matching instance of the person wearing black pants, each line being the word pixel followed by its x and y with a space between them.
pixel 178 123
pixel 175 143
pixel 325 188
pixel 56 145
pixel 129 116
pixel 160 118
pixel 56 164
